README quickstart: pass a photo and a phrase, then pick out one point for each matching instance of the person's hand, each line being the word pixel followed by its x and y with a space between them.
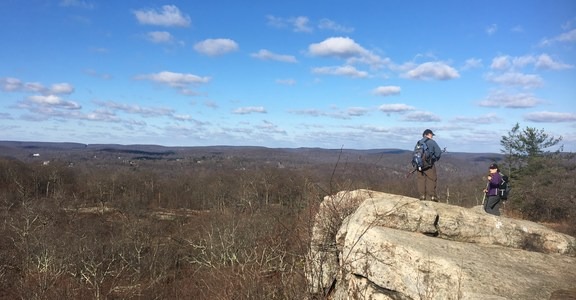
pixel 489 177
pixel 485 191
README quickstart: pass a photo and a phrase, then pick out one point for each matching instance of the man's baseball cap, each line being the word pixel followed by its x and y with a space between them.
pixel 493 166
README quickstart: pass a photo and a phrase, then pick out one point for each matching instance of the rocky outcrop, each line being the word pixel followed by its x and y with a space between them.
pixel 372 245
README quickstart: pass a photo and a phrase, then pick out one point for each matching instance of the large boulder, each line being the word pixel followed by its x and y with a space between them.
pixel 373 245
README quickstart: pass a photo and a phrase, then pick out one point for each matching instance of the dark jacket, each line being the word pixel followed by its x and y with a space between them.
pixel 433 148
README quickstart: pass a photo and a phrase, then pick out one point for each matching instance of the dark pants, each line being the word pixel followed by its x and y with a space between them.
pixel 426 182
pixel 492 205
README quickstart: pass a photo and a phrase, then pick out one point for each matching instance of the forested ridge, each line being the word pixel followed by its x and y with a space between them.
pixel 151 222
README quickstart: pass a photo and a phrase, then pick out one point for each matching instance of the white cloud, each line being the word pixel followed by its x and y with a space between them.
pixel 176 80
pixel 61 88
pixel 387 90
pixel 53 101
pixel 501 62
pixel 341 47
pixel 249 110
pixel 421 116
pixel 159 37
pixel 264 54
pixel 516 79
pixel 349 71
pixel 346 48
pixel 395 108
pixel 169 15
pixel 502 99
pixel 11 84
pixel 433 70
pixel 544 61
pixel 550 117
pixel 357 111
pixel 214 47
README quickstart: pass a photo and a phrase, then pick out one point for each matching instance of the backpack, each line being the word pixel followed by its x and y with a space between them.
pixel 504 187
pixel 421 157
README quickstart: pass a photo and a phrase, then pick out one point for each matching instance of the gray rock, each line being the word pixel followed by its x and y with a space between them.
pixel 373 245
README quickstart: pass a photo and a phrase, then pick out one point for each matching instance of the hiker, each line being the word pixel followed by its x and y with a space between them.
pixel 492 198
pixel 426 179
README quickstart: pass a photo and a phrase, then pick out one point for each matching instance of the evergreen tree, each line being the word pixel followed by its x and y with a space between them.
pixel 542 180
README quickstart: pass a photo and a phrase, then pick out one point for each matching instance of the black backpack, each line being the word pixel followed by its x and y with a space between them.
pixel 421 157
pixel 504 187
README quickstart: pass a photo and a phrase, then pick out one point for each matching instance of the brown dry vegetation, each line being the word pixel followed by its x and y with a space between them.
pixel 215 225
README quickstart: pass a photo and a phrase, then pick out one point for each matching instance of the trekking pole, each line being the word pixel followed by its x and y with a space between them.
pixel 485 193
pixel 410 173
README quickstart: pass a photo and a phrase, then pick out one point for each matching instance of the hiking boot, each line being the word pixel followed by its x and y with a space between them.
pixel 423 197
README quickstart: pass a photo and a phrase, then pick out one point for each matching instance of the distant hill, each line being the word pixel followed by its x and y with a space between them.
pixel 29 150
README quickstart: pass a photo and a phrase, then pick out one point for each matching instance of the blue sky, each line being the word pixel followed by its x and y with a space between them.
pixel 323 73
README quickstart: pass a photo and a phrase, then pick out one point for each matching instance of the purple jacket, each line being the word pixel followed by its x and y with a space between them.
pixel 493 184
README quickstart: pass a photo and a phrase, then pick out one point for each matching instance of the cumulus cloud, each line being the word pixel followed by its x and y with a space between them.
pixel 502 99
pixel 341 47
pixel 386 90
pixel 53 101
pixel 346 48
pixel 395 108
pixel 516 79
pixel 60 88
pixel 179 81
pixel 168 16
pixel 550 117
pixel 264 54
pixel 357 111
pixel 174 79
pixel 11 84
pixel 433 70
pixel 215 47
pixel 349 71
pixel 501 62
pixel 421 116
pixel 249 110
pixel 542 61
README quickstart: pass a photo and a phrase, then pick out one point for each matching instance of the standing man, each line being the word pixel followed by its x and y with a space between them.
pixel 426 179
pixel 492 200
